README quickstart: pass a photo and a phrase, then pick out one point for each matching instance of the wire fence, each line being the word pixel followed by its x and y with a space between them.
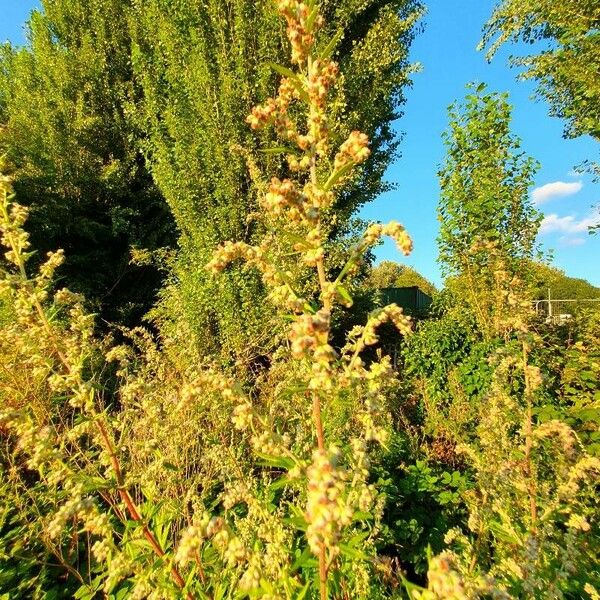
pixel 562 310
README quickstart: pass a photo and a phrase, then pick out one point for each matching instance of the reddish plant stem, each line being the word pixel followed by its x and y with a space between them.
pixel 132 508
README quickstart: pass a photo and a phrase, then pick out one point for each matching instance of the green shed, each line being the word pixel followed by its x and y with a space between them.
pixel 411 299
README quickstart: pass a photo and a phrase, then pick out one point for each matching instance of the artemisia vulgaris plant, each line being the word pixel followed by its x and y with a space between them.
pixel 57 427
pixel 298 211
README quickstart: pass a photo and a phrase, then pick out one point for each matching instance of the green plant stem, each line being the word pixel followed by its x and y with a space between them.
pixel 528 445
pixel 327 306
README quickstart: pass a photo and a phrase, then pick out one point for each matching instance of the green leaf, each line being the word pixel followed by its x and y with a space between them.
pixel 285 71
pixel 332 44
pixel 298 522
pixel 351 552
pixel 304 560
pixel 293 77
pixel 302 594
pixel 282 462
pixel 361 516
pixel 279 150
pixel 337 175
pixel 343 293
pixel 314 13
pixel 502 532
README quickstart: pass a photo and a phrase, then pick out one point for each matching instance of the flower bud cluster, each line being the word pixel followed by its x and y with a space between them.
pixel 560 431
pixel 250 580
pixel 362 336
pixel 326 509
pixel 101 549
pixel 37 443
pixel 534 377
pixel 230 251
pixel 243 416
pixel 235 552
pixel 54 260
pixel 262 114
pixel 77 506
pixel 309 331
pixel 192 538
pixel 13 236
pixel 322 76
pixel 444 580
pixel 66 297
pixel 271 443
pixel 318 199
pixel 119 567
pixel 274 111
pixel 585 471
pixel 398 233
pixel 392 229
pixel 299 29
pixel 313 248
pixel 284 195
pixel 354 151
pixel 234 494
pixel 83 397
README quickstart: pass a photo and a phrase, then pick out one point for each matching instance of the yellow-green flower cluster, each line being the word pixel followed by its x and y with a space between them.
pixel 326 508
pixel 299 28
pixel 392 229
pixel 354 151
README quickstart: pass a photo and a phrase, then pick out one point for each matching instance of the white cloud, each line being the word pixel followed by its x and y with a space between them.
pixel 566 240
pixel 569 227
pixel 557 189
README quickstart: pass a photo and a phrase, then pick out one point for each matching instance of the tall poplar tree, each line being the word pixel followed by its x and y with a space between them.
pixel 202 67
pixel 488 225
pixel 566 66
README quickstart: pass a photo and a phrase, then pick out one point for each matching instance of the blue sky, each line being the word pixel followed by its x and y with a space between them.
pixel 447 53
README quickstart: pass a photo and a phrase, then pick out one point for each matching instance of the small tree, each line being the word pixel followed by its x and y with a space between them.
pixel 488 224
pixel 391 274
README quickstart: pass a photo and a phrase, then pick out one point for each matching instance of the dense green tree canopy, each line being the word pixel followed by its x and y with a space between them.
pixel 75 153
pixel 391 274
pixel 567 65
pixel 105 86
pixel 560 284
